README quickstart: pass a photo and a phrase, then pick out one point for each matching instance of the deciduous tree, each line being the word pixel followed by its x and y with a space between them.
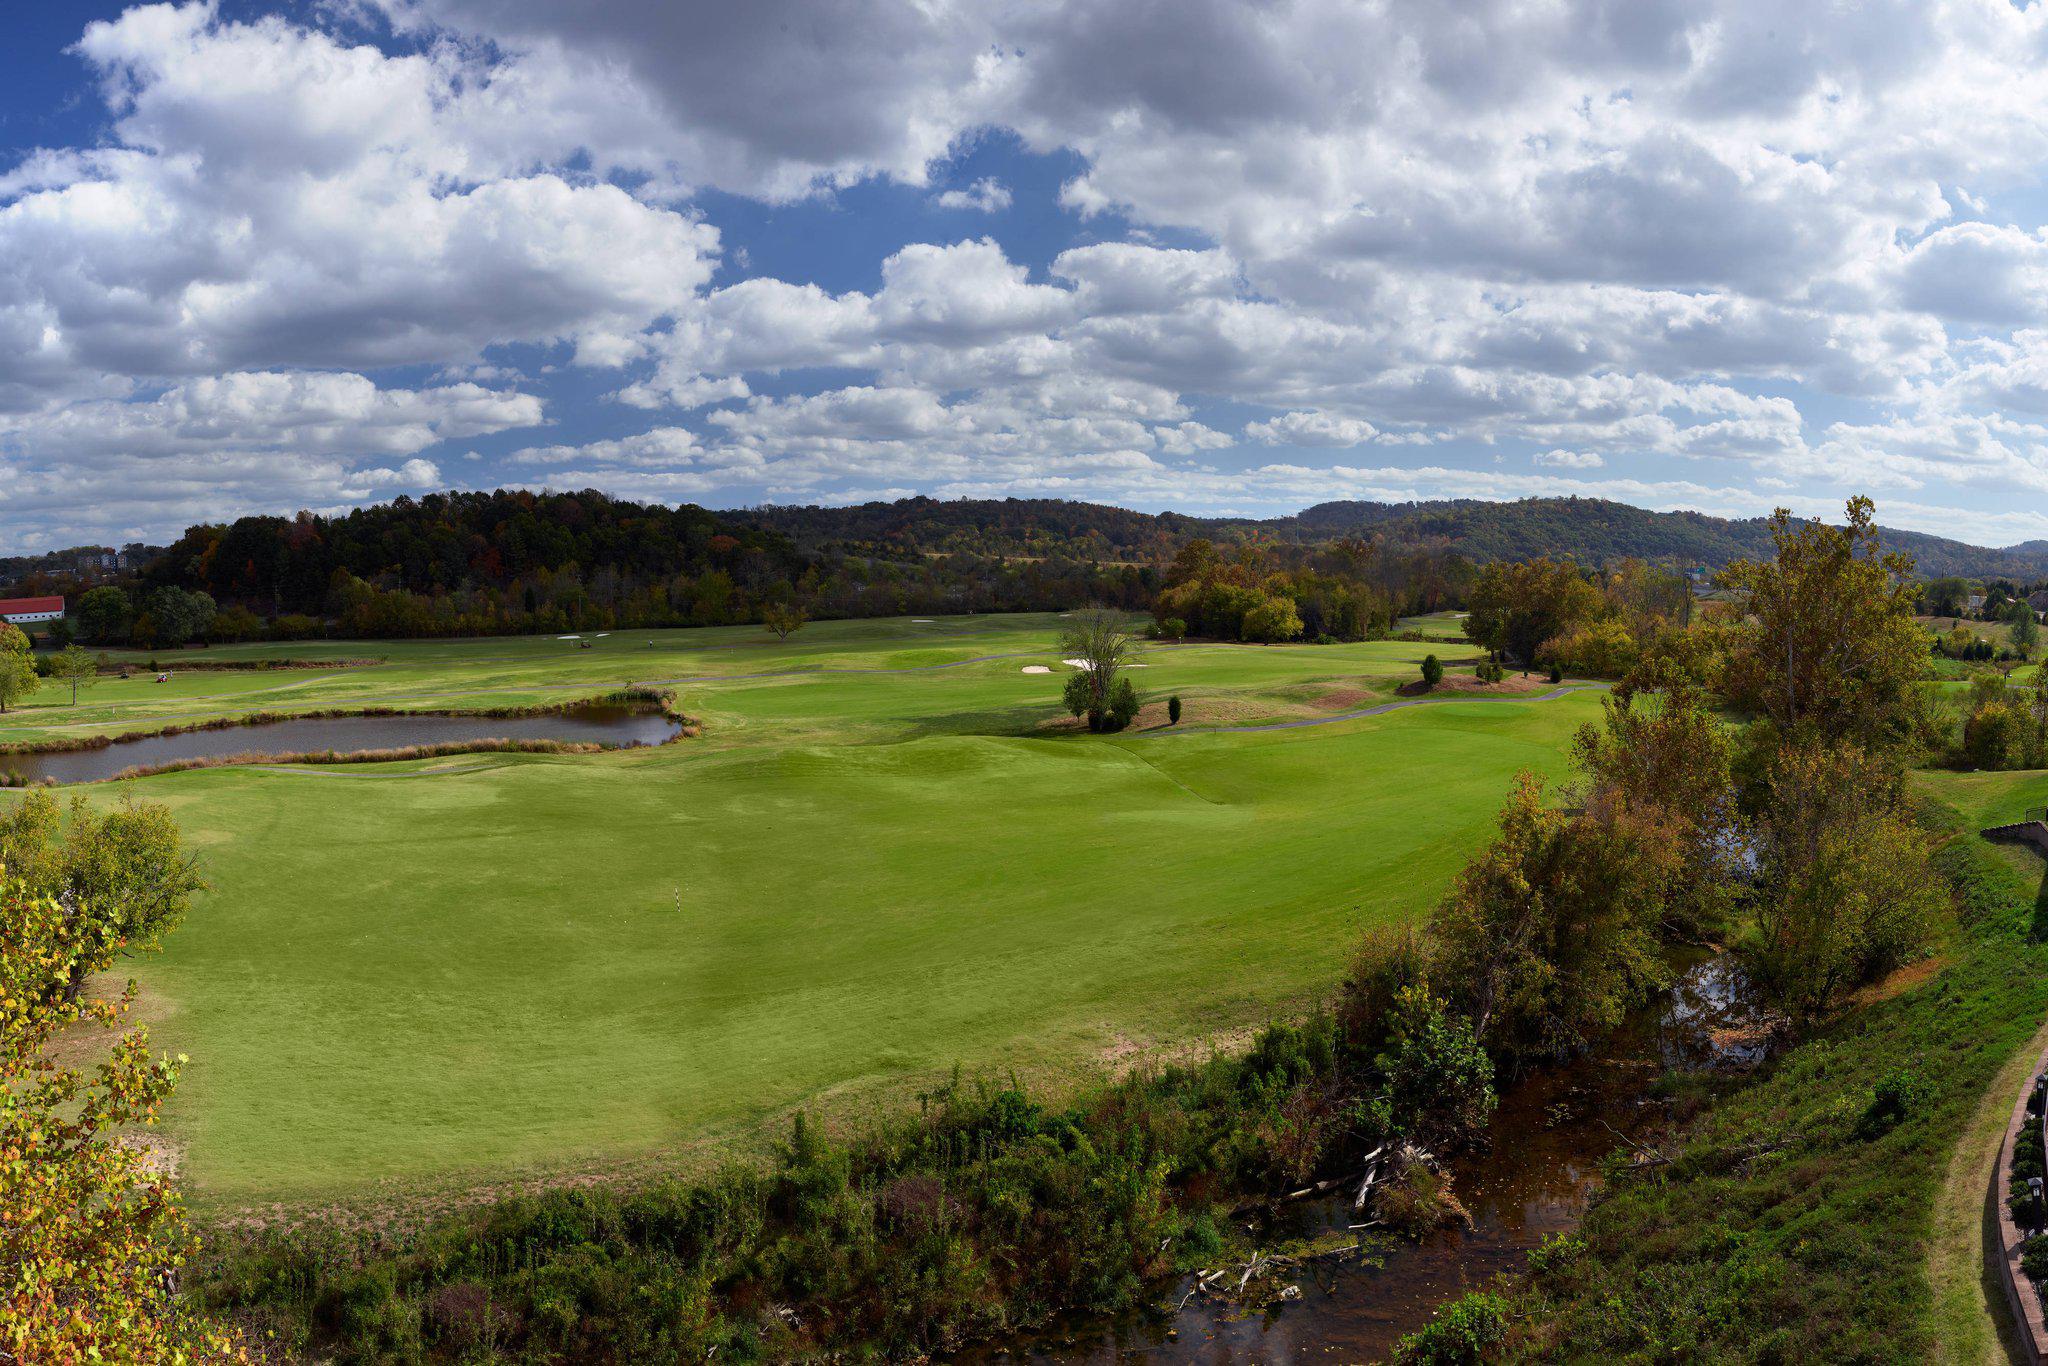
pixel 783 618
pixel 1099 638
pixel 1828 648
pixel 122 873
pixel 77 668
pixel 1846 891
pixel 91 1234
pixel 18 680
pixel 1547 937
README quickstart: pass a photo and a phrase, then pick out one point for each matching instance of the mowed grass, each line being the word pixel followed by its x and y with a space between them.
pixel 445 972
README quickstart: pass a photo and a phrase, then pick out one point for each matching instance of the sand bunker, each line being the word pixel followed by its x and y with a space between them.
pixel 1082 664
pixel 1036 669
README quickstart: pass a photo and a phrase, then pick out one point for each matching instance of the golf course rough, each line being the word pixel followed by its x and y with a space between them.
pixel 883 857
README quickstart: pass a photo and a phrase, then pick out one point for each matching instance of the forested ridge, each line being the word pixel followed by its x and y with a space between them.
pixel 513 562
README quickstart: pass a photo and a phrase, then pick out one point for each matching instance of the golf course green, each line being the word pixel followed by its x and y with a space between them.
pixel 887 854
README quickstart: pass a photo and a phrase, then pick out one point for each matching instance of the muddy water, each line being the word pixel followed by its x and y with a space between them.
pixel 1548 1138
pixel 619 727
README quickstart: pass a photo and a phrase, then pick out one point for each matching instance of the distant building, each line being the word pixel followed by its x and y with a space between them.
pixel 27 611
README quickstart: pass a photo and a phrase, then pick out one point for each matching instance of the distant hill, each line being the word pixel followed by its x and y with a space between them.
pixel 1592 530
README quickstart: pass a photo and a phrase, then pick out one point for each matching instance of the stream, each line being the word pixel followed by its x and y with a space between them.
pixel 1548 1138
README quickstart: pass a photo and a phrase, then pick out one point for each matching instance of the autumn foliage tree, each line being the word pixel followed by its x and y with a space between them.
pixel 1847 891
pixel 1515 607
pixel 1828 649
pixel 91 1236
pixel 1549 935
pixel 782 619
pixel 121 874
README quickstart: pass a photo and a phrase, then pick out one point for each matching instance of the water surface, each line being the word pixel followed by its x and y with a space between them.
pixel 1547 1141
pixel 612 726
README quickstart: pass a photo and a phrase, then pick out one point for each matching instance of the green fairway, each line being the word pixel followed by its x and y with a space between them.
pixel 877 862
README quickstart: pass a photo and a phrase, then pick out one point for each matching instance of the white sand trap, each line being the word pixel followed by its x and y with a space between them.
pixel 920 621
pixel 568 637
pixel 1036 669
pixel 1082 664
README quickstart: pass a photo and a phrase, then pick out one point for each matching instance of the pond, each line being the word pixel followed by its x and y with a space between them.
pixel 1535 1177
pixel 615 727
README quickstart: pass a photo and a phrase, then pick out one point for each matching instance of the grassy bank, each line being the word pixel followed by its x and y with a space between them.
pixel 984 1214
pixel 1798 1216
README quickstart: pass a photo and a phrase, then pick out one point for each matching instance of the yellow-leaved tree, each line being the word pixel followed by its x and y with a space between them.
pixel 91 1235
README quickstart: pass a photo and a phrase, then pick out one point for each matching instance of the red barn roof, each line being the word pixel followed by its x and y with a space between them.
pixel 21 606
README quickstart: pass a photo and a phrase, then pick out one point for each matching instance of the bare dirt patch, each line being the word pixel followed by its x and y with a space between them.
pixel 1899 982
pixel 1464 684
pixel 1342 699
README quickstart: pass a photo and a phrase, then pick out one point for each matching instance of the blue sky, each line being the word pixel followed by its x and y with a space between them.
pixel 1208 255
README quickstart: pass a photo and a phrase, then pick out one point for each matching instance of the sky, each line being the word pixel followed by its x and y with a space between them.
pixel 1218 256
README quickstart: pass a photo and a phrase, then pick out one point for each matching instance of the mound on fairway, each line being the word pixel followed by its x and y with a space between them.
pixel 868 870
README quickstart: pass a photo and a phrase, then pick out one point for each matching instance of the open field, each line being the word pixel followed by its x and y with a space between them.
pixel 876 863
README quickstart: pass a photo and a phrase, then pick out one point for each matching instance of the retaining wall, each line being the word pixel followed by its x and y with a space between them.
pixel 2030 1329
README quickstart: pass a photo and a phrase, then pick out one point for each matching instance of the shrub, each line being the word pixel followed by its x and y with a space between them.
pixel 1432 671
pixel 1459 1335
pixel 1123 705
pixel 1173 710
pixel 1891 1100
pixel 1490 671
pixel 2034 1258
pixel 1173 628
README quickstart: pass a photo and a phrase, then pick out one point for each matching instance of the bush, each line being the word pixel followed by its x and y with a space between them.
pixel 1173 710
pixel 1459 1335
pixel 2034 1258
pixel 1173 628
pixel 1891 1100
pixel 1123 705
pixel 1432 671
pixel 1489 671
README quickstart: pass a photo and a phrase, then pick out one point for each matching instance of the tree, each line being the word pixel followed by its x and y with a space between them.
pixel 1273 619
pixel 61 632
pixel 1945 597
pixel 103 614
pixel 1665 759
pixel 2026 629
pixel 17 668
pixel 91 1233
pixel 74 666
pixel 1598 649
pixel 122 874
pixel 178 616
pixel 1432 671
pixel 1514 608
pixel 782 618
pixel 1546 938
pixel 1995 737
pixel 1828 649
pixel 1100 642
pixel 1173 710
pixel 1846 888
